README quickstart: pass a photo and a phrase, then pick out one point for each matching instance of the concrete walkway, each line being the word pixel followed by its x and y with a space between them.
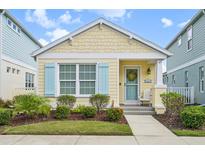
pixel 146 130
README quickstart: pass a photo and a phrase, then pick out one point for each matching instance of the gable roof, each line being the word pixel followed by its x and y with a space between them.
pixel 8 14
pixel 105 22
pixel 191 22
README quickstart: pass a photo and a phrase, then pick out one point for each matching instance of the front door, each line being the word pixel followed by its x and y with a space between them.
pixel 131 85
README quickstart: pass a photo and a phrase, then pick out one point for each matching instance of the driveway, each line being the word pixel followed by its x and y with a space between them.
pixel 146 130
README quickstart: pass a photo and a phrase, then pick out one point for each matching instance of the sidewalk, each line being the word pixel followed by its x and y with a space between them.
pixel 146 130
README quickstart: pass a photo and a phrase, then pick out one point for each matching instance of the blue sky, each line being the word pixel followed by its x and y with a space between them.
pixel 158 26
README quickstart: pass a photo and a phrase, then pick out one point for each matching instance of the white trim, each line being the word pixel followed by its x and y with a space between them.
pixel 99 21
pixel 77 86
pixel 138 84
pixel 159 73
pixel 91 55
pixel 197 60
pixel 17 62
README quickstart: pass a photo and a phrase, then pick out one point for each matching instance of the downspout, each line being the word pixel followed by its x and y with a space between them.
pixel 1 49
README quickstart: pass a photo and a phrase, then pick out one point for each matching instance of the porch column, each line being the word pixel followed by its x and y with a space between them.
pixel 159 74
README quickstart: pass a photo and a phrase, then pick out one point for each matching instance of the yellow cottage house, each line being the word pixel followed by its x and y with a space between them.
pixel 102 57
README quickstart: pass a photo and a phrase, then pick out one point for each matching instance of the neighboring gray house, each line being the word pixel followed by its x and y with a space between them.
pixel 186 67
pixel 17 67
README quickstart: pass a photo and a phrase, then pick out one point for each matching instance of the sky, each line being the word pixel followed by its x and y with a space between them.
pixel 158 26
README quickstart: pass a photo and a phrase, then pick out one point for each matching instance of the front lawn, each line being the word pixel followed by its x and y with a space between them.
pixel 184 132
pixel 71 128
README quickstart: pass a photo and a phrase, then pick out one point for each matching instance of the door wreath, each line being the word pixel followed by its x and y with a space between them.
pixel 132 75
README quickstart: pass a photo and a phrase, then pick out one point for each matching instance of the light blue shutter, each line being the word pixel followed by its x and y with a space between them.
pixel 50 79
pixel 103 78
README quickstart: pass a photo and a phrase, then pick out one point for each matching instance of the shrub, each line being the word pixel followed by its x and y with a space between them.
pixel 62 111
pixel 193 116
pixel 67 100
pixel 5 104
pixel 44 109
pixel 99 101
pixel 5 116
pixel 114 114
pixel 173 102
pixel 28 104
pixel 78 109
pixel 89 111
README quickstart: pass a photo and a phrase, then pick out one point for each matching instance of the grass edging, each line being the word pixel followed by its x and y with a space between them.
pixel 185 132
pixel 66 127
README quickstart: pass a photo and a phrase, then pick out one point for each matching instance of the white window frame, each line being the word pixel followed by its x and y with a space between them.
pixel 27 83
pixel 179 41
pixel 77 88
pixel 186 78
pixel 201 80
pixel 189 38
pixel 17 30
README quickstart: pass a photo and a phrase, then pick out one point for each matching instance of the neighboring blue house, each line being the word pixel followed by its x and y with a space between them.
pixel 186 67
pixel 17 67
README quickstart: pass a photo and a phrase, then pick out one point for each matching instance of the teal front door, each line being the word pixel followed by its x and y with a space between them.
pixel 131 85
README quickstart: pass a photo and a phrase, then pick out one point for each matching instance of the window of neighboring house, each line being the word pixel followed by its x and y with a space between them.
pixel 186 78
pixel 77 79
pixel 18 71
pixel 201 79
pixel 67 79
pixel 29 83
pixel 87 75
pixel 8 69
pixel 173 80
pixel 13 70
pixel 189 38
pixel 179 41
pixel 13 26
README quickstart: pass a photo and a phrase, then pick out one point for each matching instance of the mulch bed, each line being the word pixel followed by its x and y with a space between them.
pixel 22 119
pixel 169 122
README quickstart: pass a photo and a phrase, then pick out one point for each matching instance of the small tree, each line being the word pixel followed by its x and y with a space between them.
pixel 99 101
pixel 67 100
pixel 173 102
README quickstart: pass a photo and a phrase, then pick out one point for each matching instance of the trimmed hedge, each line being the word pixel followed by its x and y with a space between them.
pixel 68 100
pixel 89 111
pixel 99 101
pixel 62 112
pixel 193 116
pixel 114 114
pixel 5 116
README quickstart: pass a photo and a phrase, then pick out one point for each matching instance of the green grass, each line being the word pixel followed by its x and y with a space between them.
pixel 71 128
pixel 185 132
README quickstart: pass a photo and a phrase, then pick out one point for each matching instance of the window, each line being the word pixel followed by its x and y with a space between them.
pixel 9 22
pixel 201 79
pixel 18 71
pixel 29 80
pixel 189 38
pixel 179 41
pixel 13 70
pixel 173 80
pixel 87 75
pixel 8 69
pixel 67 79
pixel 13 26
pixel 186 78
pixel 77 79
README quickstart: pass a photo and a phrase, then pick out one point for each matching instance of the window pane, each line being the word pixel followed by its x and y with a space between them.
pixel 67 87
pixel 67 72
pixel 87 72
pixel 87 87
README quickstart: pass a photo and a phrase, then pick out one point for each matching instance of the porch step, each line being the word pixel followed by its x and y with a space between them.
pixel 137 110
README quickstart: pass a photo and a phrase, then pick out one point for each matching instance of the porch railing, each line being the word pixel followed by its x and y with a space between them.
pixel 187 92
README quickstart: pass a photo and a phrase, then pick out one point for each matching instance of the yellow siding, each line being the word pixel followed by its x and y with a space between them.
pixel 144 65
pixel 113 92
pixel 104 39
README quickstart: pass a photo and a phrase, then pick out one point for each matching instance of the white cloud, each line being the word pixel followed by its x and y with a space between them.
pixel 57 33
pixel 39 16
pixel 114 13
pixel 166 22
pixel 181 25
pixel 43 41
pixel 67 18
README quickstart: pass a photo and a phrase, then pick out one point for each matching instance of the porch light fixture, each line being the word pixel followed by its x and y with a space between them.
pixel 149 71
